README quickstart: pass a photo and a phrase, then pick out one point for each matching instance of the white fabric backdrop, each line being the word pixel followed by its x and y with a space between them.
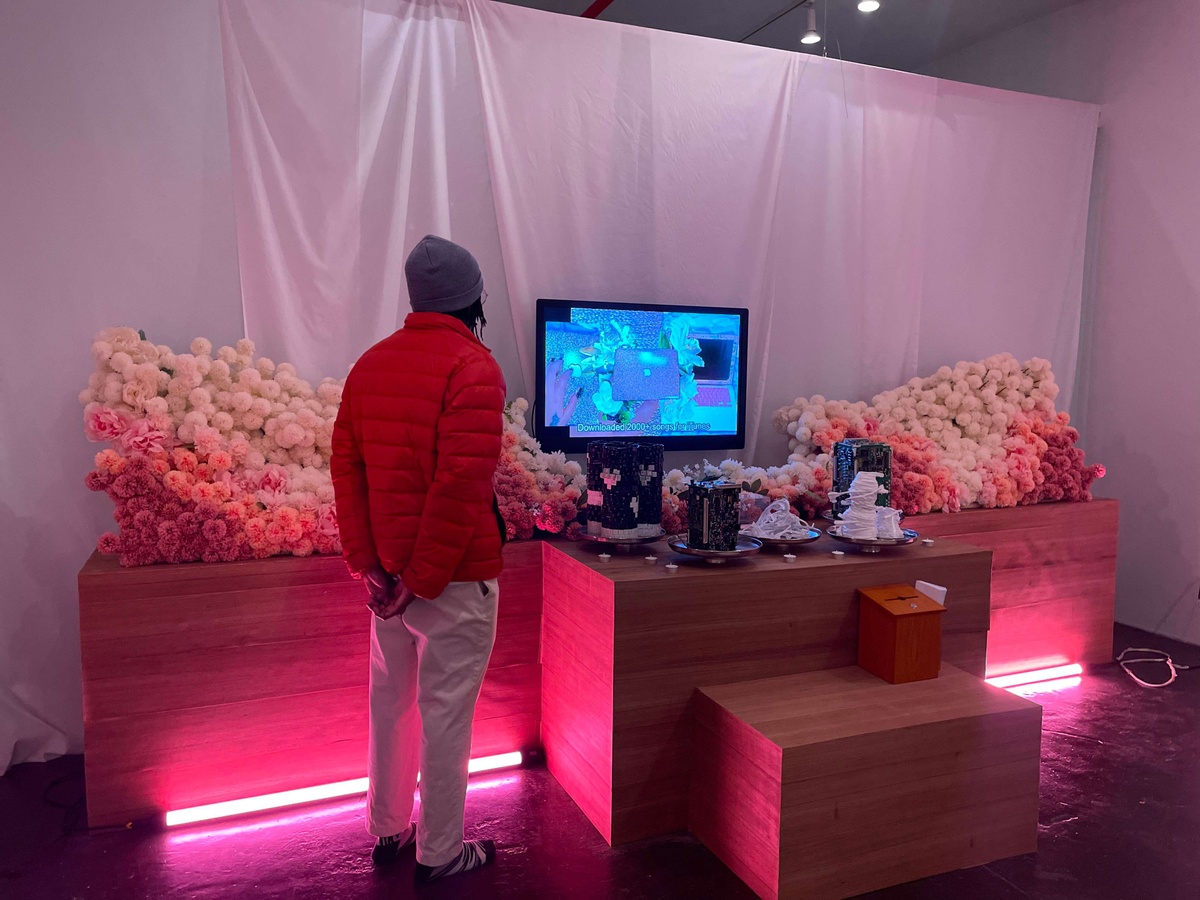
pixel 877 224
pixel 115 209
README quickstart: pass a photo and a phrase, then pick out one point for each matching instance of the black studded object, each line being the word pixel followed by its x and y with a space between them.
pixel 855 455
pixel 619 486
pixel 713 514
pixel 595 487
pixel 650 479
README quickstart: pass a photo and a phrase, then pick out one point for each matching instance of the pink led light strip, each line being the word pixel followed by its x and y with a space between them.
pixel 246 805
pixel 1036 676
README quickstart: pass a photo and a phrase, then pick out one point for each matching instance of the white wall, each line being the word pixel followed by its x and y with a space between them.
pixel 115 208
pixel 1140 370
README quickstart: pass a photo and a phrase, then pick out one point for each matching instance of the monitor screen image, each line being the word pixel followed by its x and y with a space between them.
pixel 673 374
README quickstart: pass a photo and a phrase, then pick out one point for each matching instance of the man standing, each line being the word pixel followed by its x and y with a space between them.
pixel 415 446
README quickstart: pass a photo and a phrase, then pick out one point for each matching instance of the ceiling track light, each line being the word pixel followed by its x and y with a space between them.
pixel 868 5
pixel 812 36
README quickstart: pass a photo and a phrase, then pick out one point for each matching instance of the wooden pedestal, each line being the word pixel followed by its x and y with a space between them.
pixel 1054 579
pixel 624 645
pixel 835 783
pixel 215 681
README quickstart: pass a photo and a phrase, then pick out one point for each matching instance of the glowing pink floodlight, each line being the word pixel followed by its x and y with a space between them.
pixel 1046 687
pixel 499 761
pixel 241 807
pixel 245 805
pixel 1035 676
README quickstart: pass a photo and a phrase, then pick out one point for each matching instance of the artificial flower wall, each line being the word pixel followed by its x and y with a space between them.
pixel 980 434
pixel 221 455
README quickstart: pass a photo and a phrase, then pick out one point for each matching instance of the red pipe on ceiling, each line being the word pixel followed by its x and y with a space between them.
pixel 596 8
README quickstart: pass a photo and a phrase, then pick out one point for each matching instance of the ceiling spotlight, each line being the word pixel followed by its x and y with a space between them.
pixel 868 5
pixel 812 36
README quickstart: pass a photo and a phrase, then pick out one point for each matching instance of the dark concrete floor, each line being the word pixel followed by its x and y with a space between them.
pixel 1120 818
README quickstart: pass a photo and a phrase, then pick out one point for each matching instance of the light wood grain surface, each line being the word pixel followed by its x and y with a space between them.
pixel 214 681
pixel 834 783
pixel 1054 571
pixel 641 640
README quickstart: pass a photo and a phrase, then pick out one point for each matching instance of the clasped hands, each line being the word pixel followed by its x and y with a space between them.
pixel 388 596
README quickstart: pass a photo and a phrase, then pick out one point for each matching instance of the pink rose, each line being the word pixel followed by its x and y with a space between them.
pixel 274 479
pixel 327 525
pixel 142 437
pixel 136 393
pixel 103 424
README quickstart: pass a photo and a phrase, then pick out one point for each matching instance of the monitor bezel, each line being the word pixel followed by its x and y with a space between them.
pixel 558 438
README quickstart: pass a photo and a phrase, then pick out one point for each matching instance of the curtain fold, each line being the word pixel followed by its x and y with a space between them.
pixel 877 224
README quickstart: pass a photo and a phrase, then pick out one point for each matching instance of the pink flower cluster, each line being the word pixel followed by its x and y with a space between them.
pixel 191 482
pixel 981 434
pixel 532 500
pixel 184 506
pixel 805 487
pixel 675 519
pixel 1039 463
pixel 221 456
pixel 1061 473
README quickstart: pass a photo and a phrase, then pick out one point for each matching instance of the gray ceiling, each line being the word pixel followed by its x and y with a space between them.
pixel 902 34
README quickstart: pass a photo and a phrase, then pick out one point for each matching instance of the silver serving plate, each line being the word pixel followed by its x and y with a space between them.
pixel 872 545
pixel 746 546
pixel 787 543
pixel 628 542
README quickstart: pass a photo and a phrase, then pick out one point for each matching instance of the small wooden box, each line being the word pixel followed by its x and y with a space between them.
pixel 831 784
pixel 899 633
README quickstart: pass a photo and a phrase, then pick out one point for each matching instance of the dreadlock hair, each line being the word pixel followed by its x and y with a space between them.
pixel 472 316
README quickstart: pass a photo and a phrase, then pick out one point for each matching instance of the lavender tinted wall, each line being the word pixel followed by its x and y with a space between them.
pixel 1139 383
pixel 115 208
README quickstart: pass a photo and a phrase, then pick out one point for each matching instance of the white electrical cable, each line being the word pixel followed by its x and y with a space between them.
pixel 1161 656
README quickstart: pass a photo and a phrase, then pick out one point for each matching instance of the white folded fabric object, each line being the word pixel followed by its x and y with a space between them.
pixel 887 522
pixel 932 591
pixel 861 519
pixel 779 522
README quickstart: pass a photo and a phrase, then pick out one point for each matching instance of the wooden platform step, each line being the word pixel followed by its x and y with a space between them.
pixel 833 783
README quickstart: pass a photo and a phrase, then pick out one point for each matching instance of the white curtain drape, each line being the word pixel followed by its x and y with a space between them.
pixel 877 224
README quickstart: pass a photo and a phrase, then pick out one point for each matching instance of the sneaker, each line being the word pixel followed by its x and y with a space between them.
pixel 474 855
pixel 387 849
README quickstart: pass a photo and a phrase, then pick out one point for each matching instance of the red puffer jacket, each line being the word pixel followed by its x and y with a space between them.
pixel 415 447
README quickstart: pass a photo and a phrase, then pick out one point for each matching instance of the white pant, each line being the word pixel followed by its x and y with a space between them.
pixel 426 670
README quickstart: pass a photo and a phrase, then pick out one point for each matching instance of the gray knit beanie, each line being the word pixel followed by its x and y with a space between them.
pixel 442 276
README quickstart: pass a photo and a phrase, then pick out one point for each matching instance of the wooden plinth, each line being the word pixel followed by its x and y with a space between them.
pixel 835 783
pixel 625 645
pixel 216 681
pixel 1054 571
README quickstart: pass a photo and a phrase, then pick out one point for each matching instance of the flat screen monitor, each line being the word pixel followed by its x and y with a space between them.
pixel 672 374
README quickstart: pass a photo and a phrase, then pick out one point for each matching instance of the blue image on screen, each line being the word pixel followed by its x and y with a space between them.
pixel 642 372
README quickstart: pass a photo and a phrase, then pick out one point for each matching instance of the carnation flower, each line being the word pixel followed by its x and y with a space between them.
pixel 110 461
pixel 142 437
pixel 101 423
pixel 255 435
